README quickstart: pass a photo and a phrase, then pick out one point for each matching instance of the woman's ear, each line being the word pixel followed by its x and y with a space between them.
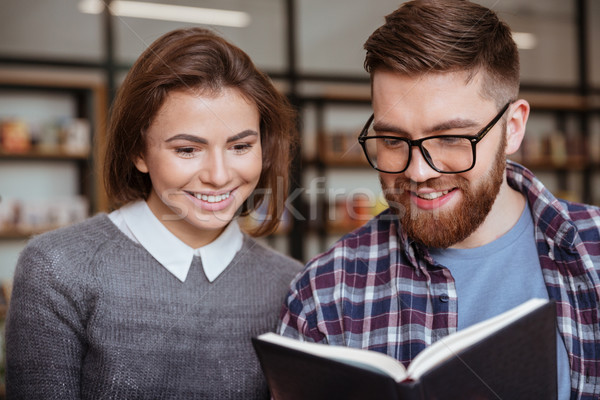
pixel 518 113
pixel 140 164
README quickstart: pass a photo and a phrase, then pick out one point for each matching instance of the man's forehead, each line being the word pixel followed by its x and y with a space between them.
pixel 469 78
pixel 390 88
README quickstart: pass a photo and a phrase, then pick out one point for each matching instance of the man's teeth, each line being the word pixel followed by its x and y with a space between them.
pixel 213 198
pixel 433 195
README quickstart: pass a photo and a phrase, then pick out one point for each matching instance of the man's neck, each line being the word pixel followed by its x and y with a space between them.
pixel 505 213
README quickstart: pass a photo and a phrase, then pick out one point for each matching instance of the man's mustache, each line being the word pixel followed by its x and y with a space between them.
pixel 442 183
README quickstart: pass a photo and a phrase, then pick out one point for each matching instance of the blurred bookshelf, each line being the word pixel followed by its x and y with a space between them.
pixel 50 131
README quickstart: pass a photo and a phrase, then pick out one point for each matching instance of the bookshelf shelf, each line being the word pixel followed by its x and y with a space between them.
pixel 63 183
pixel 44 155
pixel 18 234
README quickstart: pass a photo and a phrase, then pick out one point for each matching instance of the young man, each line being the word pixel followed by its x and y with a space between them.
pixel 468 235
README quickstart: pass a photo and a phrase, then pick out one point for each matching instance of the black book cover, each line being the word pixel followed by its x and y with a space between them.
pixel 515 362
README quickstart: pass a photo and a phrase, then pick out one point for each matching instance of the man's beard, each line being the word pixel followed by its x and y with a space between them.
pixel 442 229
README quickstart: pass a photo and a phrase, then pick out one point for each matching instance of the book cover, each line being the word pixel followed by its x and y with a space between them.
pixel 510 356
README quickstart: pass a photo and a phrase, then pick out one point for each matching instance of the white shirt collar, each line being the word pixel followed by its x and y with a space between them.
pixel 138 222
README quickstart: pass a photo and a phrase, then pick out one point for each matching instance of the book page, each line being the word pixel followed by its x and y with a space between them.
pixel 365 359
pixel 450 345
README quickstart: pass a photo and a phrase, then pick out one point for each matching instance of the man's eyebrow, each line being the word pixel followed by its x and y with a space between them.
pixel 198 139
pixel 381 126
pixel 458 123
pixel 453 124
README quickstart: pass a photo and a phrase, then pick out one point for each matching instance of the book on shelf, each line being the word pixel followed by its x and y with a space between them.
pixel 510 356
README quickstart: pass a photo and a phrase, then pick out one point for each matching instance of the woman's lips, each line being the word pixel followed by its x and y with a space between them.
pixel 212 198
pixel 213 201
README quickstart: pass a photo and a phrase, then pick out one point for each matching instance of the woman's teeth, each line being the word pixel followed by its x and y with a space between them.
pixel 433 195
pixel 213 198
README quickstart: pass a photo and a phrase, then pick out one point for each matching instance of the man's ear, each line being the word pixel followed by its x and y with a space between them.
pixel 140 164
pixel 518 113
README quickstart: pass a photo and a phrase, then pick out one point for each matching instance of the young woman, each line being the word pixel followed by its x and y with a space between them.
pixel 159 299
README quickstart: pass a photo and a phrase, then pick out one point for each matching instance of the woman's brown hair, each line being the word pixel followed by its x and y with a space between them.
pixel 197 59
pixel 424 36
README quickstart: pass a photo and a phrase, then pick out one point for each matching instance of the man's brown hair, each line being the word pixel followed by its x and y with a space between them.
pixel 432 36
pixel 203 62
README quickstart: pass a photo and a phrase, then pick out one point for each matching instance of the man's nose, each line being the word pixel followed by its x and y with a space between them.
pixel 418 169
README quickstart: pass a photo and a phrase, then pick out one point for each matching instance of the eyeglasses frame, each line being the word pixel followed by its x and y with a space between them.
pixel 362 139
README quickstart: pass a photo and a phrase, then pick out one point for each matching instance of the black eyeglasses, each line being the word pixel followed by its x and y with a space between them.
pixel 447 154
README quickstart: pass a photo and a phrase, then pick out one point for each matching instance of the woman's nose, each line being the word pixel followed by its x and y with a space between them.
pixel 215 171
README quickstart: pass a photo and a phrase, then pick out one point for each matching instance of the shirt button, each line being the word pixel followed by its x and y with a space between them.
pixel 444 298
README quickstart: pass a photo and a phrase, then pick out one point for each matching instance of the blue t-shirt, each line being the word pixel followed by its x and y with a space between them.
pixel 498 276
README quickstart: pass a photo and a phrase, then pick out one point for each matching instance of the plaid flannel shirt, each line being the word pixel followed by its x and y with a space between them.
pixel 379 290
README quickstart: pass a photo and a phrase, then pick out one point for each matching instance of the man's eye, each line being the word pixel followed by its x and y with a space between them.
pixel 392 143
pixel 452 140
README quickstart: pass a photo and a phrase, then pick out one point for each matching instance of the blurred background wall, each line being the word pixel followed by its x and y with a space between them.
pixel 62 60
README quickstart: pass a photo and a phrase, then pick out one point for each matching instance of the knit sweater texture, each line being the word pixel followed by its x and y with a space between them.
pixel 94 316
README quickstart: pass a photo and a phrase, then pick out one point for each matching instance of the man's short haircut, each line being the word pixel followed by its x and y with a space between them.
pixel 436 36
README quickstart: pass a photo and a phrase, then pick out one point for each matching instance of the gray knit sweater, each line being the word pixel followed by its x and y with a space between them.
pixel 94 316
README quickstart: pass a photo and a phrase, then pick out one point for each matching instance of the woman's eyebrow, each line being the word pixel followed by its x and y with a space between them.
pixel 188 137
pixel 198 139
pixel 241 135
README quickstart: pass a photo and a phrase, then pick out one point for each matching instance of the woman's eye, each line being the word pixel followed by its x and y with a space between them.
pixel 185 151
pixel 241 148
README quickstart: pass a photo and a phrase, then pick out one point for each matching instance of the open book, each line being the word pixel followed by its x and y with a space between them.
pixel 512 356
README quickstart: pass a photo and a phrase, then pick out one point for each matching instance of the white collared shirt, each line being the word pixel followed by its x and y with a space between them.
pixel 137 221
